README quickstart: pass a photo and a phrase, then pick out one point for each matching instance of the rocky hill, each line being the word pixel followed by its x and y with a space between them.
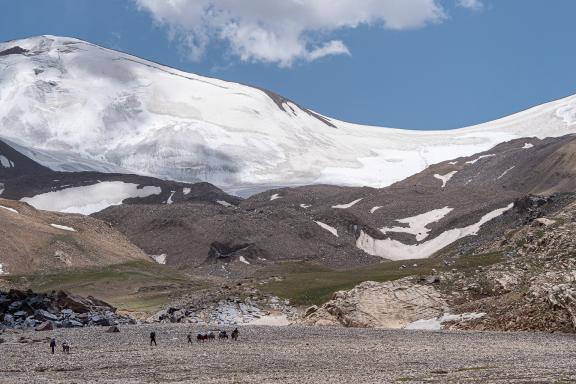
pixel 34 241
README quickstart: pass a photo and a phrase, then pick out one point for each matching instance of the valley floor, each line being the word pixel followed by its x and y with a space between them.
pixel 290 355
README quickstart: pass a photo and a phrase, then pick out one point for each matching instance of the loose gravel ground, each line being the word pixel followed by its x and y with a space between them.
pixel 290 355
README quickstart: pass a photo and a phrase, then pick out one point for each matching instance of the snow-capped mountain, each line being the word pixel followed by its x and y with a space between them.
pixel 71 105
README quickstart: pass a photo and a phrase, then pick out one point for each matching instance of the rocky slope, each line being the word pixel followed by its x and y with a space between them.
pixel 34 241
pixel 457 203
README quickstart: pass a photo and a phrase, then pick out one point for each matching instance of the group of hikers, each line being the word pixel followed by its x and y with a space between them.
pixel 200 337
pixel 203 336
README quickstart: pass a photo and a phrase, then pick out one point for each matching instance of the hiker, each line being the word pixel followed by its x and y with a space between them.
pixel 65 347
pixel 235 334
pixel 223 335
pixel 189 338
pixel 153 338
pixel 53 345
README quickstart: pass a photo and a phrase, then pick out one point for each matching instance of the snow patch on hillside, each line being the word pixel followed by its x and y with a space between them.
pixel 505 172
pixel 224 203
pixel 2 271
pixel 170 201
pixel 445 178
pixel 327 227
pixel 305 206
pixel 5 163
pixel 417 225
pixel 346 206
pixel 63 227
pixel 528 146
pixel 243 260
pixel 568 112
pixel 374 209
pixel 89 199
pixel 479 158
pixel 275 197
pixel 8 209
pixel 395 250
pixel 160 259
pixel 1 188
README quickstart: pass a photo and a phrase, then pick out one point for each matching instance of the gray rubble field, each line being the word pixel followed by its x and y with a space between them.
pixel 288 355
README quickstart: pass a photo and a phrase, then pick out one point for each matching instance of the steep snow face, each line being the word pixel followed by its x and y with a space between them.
pixel 83 107
pixel 89 199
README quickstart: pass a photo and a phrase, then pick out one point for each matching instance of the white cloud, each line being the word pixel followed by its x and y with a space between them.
pixel 471 4
pixel 283 31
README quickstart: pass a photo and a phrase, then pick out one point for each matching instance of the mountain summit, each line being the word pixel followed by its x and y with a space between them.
pixel 72 106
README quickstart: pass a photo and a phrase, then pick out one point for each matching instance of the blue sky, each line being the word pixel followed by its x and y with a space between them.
pixel 443 67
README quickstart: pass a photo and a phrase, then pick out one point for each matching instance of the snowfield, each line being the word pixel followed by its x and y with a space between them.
pixel 395 250
pixel 89 199
pixel 145 118
pixel 417 225
pixel 8 209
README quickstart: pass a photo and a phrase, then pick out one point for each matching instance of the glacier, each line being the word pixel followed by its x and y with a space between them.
pixel 73 106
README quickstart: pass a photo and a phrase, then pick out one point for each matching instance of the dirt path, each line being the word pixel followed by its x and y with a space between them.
pixel 291 355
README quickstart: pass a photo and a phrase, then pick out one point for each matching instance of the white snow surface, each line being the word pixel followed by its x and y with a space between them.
pixel 395 250
pixel 305 206
pixel 2 271
pixel 224 203
pixel 1 188
pixel 275 197
pixel 445 178
pixel 528 146
pixel 89 199
pixel 346 206
pixel 374 209
pixel 141 117
pixel 8 209
pixel 480 158
pixel 160 259
pixel 505 172
pixel 243 260
pixel 186 191
pixel 435 324
pixel 417 225
pixel 63 227
pixel 5 162
pixel 170 201
pixel 327 227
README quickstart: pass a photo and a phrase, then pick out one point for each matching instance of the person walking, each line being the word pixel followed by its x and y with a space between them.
pixel 153 338
pixel 189 338
pixel 53 345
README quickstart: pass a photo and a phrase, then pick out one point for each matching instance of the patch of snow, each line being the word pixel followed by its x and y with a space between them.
pixel 243 260
pixel 468 181
pixel 275 196
pixel 224 203
pixel 8 209
pixel 1 188
pixel 435 324
pixel 89 199
pixel 327 227
pixel 5 162
pixel 160 259
pixel 170 201
pixel 346 206
pixel 63 227
pixel 186 191
pixel 480 158
pixel 305 206
pixel 271 321
pixel 505 172
pixel 445 178
pixel 374 209
pixel 2 271
pixel 395 250
pixel 453 162
pixel 528 146
pixel 417 224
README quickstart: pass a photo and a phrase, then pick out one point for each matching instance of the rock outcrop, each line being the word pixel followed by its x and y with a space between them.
pixel 391 304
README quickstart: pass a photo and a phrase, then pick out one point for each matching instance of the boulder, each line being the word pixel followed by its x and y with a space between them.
pixel 113 329
pixel 45 326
